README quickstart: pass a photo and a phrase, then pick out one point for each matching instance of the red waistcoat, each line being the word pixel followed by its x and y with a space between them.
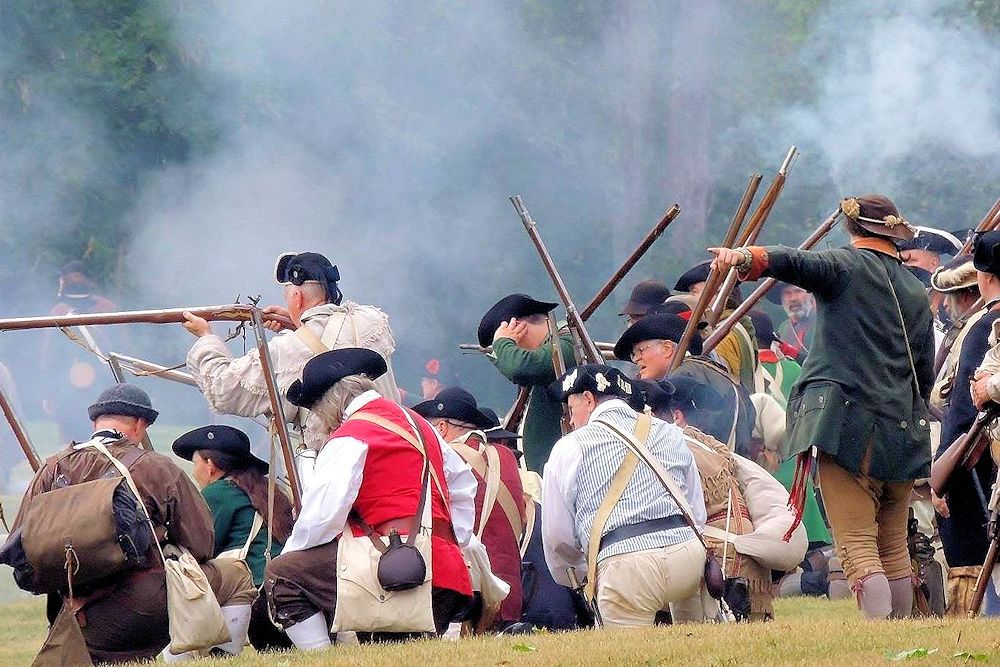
pixel 390 485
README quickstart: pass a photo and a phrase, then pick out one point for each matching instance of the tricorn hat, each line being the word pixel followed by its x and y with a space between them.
pixel 454 403
pixel 513 305
pixel 934 240
pixel 220 438
pixel 661 326
pixel 958 274
pixel 126 400
pixel 879 215
pixel 986 252
pixel 599 379
pixel 696 274
pixel 497 431
pixel 645 295
pixel 656 395
pixel 326 369
pixel 293 268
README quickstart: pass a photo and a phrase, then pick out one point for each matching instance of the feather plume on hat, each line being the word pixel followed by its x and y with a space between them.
pixel 956 275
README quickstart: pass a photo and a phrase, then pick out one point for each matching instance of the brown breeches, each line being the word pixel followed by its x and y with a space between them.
pixel 869 519
pixel 130 622
pixel 300 583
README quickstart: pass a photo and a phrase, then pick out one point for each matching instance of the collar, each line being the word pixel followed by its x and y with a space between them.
pixel 361 401
pixel 612 404
pixel 991 303
pixel 881 245
pixel 105 435
pixel 325 309
pixel 478 444
pixel 767 356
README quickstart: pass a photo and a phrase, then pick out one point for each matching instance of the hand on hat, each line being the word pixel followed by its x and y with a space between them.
pixel 197 326
pixel 512 329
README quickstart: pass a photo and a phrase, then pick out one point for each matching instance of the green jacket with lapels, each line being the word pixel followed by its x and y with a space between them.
pixel 857 388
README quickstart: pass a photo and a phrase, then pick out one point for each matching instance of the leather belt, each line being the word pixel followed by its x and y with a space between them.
pixel 439 528
pixel 641 528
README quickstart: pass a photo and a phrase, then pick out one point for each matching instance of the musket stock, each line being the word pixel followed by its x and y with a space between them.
pixel 958 453
pixel 559 366
pixel 727 325
pixel 989 222
pixel 234 312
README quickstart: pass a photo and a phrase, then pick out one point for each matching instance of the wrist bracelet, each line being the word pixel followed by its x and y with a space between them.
pixel 747 262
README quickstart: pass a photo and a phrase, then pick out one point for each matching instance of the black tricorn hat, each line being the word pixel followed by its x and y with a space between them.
pixel 326 369
pixel 696 274
pixel 656 395
pixel 645 295
pixel 598 379
pixel 297 268
pixel 986 252
pixel 220 438
pixel 934 240
pixel 763 327
pixel 661 326
pixel 454 403
pixel 513 305
pixel 497 432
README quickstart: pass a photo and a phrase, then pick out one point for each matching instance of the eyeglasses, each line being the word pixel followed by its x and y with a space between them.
pixel 637 352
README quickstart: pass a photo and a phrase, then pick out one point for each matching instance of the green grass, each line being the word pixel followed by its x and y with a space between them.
pixel 807 631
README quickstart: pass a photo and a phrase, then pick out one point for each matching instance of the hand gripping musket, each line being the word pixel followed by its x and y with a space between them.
pixel 727 325
pixel 750 233
pixel 993 533
pixel 964 452
pixel 590 353
pixel 714 277
pixel 631 261
pixel 19 433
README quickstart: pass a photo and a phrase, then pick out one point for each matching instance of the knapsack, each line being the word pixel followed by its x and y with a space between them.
pixel 78 534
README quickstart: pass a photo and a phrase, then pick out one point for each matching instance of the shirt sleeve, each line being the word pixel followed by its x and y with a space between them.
pixel 696 495
pixel 328 499
pixel 559 492
pixel 529 367
pixel 462 487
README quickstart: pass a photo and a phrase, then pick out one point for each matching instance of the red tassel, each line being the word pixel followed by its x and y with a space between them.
pixel 797 494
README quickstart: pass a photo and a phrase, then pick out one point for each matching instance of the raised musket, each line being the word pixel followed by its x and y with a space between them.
pixel 752 230
pixel 590 353
pixel 714 277
pixel 727 325
pixel 559 366
pixel 233 312
pixel 20 434
pixel 631 261
pixel 989 222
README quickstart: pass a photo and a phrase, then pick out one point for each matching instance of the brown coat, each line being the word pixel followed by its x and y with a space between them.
pixel 126 619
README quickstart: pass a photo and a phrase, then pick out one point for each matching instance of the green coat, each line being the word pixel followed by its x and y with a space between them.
pixel 533 368
pixel 233 515
pixel 856 389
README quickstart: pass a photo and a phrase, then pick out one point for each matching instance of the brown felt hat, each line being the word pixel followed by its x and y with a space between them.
pixel 878 215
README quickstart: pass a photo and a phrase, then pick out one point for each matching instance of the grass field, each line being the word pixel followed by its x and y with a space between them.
pixel 808 632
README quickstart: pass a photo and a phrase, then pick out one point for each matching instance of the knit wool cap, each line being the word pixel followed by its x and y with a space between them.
pixel 125 400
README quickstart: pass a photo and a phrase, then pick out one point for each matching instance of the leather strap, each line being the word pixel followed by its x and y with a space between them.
pixel 642 528
pixel 311 340
pixel 496 491
pixel 258 521
pixel 618 483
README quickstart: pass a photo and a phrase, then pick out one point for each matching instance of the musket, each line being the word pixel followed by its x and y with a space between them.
pixel 141 367
pixel 589 351
pixel 726 325
pixel 752 231
pixel 993 533
pixel 964 452
pixel 577 586
pixel 631 261
pixel 990 221
pixel 234 312
pixel 559 366
pixel 19 433
pixel 279 427
pixel 116 371
pixel 712 282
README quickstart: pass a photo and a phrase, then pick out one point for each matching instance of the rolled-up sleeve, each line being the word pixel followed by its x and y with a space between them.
pixel 328 498
pixel 559 492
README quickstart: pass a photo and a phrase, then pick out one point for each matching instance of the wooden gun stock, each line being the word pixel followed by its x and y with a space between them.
pixel 961 452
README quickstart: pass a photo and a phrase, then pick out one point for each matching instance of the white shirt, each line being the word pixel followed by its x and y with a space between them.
pixel 559 491
pixel 333 487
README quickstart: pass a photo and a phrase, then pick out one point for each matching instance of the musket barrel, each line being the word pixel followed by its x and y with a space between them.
pixel 726 326
pixel 232 312
pixel 630 262
pixel 19 433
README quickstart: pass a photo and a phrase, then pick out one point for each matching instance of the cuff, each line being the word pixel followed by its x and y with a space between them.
pixel 758 263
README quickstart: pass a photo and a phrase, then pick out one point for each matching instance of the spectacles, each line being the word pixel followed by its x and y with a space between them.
pixel 637 352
